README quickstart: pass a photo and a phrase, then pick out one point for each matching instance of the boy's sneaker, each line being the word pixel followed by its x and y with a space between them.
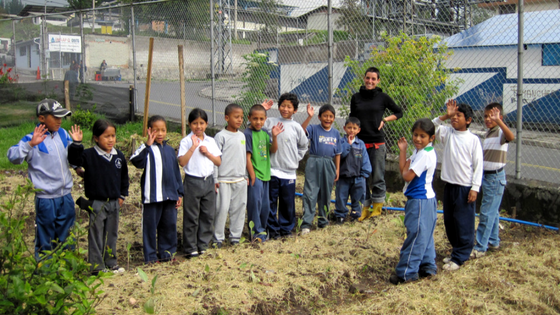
pixel 116 269
pixel 493 247
pixel 446 260
pixel 394 279
pixel 305 231
pixel 477 254
pixel 234 243
pixel 425 273
pixel 192 255
pixel 451 266
pixel 339 221
pixel 201 252
pixel 217 245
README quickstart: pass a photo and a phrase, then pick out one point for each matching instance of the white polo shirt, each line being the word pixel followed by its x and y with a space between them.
pixel 199 165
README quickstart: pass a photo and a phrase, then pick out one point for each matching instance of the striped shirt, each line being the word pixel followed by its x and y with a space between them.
pixel 495 147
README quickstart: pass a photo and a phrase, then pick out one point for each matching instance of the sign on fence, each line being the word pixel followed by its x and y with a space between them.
pixel 65 43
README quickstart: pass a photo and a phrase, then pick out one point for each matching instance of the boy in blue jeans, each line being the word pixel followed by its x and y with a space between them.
pixel 292 145
pixel 461 169
pixel 495 148
pixel 355 167
pixel 259 147
pixel 46 152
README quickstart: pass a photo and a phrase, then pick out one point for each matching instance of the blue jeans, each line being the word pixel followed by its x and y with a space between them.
pixel 258 207
pixel 418 251
pixel 375 193
pixel 355 188
pixel 489 226
pixel 54 218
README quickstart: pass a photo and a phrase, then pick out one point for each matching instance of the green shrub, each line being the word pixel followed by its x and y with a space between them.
pixel 85 118
pixel 58 282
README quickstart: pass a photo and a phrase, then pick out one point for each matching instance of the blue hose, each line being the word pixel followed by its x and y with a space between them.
pixel 501 218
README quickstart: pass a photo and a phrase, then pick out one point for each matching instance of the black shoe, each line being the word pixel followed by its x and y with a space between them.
pixel 339 221
pixel 218 245
pixel 394 279
pixel 192 255
pixel 426 273
pixel 234 243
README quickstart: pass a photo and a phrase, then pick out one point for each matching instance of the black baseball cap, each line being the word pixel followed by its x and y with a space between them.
pixel 52 107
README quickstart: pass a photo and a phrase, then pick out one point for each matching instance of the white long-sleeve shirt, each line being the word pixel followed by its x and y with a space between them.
pixel 462 156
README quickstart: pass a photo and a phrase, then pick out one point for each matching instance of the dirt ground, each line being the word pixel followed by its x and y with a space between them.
pixel 335 270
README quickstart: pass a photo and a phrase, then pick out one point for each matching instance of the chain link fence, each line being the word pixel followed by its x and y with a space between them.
pixel 246 51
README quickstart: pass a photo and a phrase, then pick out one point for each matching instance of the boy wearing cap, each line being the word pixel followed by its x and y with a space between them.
pixel 45 151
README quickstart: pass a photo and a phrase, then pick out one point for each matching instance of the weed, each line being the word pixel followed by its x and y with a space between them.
pixel 128 246
pixel 59 281
pixel 149 305
pixel 85 118
pixel 254 239
pixel 298 227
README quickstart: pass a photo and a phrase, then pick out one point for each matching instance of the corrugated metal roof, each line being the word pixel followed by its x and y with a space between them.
pixel 299 8
pixel 540 27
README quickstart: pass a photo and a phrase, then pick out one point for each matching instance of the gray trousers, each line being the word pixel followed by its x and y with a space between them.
pixel 103 234
pixel 232 199
pixel 320 173
pixel 199 210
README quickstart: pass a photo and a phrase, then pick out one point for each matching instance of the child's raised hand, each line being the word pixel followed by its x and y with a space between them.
pixel 351 138
pixel 195 141
pixel 278 129
pixel 451 107
pixel 76 133
pixel 267 104
pixel 38 135
pixel 403 145
pixel 310 110
pixel 151 137
pixel 495 114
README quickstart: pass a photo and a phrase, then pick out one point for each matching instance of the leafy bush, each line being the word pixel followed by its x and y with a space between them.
pixel 413 73
pixel 256 75
pixel 7 76
pixel 85 118
pixel 59 282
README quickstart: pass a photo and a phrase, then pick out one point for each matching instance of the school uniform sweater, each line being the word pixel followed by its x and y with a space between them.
pixel 47 163
pixel 106 174
pixel 292 145
pixel 369 106
pixel 462 156
pixel 354 160
pixel 161 180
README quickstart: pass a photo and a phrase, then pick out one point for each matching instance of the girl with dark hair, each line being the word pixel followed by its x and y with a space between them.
pixel 418 253
pixel 198 154
pixel 106 186
pixel 162 192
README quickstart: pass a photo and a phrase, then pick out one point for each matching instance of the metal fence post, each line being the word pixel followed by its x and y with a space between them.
pixel 14 44
pixel 520 49
pixel 212 60
pixel 134 56
pixel 83 46
pixel 330 53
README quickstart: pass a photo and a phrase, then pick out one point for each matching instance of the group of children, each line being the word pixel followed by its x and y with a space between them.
pixel 255 171
pixel 465 168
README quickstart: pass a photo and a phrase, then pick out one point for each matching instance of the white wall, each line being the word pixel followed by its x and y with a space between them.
pixel 495 57
pixel 318 21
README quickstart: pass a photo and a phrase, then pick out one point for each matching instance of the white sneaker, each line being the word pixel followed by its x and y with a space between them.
pixel 446 260
pixel 477 254
pixel 305 231
pixel 451 266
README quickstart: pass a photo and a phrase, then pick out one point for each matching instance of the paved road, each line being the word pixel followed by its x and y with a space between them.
pixel 538 163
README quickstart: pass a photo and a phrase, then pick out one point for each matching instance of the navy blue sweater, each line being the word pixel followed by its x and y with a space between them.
pixel 158 159
pixel 354 160
pixel 103 179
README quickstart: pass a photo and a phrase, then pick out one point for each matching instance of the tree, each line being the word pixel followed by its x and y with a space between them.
pixel 13 7
pixel 83 4
pixel 413 73
pixel 354 20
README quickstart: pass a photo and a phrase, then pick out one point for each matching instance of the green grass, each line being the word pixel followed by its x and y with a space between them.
pixel 11 136
pixel 17 113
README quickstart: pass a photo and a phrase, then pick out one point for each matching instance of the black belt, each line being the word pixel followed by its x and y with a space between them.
pixel 494 172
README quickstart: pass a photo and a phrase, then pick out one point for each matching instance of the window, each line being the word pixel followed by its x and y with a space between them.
pixel 507 9
pixel 551 54
pixel 23 51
